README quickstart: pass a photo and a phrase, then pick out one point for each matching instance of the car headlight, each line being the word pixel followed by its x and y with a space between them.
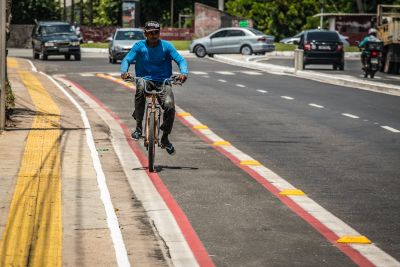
pixel 117 48
pixel 75 43
pixel 49 44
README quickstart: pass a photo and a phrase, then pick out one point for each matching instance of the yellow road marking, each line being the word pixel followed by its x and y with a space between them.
pixel 33 232
pixel 292 192
pixel 12 63
pixel 354 239
pixel 199 127
pixel 184 114
pixel 250 162
pixel 221 143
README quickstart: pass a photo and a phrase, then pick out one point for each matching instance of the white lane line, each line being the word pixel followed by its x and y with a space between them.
pixel 33 66
pixel 287 97
pixel 240 85
pixel 315 105
pixel 262 91
pixel 206 76
pixel 390 129
pixel 251 72
pixel 112 220
pixel 115 74
pixel 225 72
pixel 199 72
pixel 87 74
pixel 141 184
pixel 350 115
pixel 222 81
pixel 334 224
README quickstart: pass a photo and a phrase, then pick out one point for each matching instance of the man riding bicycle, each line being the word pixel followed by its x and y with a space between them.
pixel 153 58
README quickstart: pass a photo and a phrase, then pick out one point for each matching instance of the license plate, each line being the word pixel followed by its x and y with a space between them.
pixel 324 47
pixel 374 60
pixel 63 50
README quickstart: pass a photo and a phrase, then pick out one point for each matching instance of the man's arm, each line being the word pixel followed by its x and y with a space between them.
pixel 128 60
pixel 180 61
pixel 363 42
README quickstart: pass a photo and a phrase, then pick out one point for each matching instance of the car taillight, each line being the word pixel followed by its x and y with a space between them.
pixel 339 48
pixel 307 47
pixel 262 39
pixel 374 53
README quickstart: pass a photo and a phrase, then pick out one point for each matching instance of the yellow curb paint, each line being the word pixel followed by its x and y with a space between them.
pixel 199 127
pixel 292 192
pixel 33 232
pixel 354 240
pixel 12 63
pixel 221 143
pixel 184 114
pixel 250 162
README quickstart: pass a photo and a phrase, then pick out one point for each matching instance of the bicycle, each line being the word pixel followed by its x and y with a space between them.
pixel 153 117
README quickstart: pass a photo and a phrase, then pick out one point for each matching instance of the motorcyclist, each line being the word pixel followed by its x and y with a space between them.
pixel 153 63
pixel 371 37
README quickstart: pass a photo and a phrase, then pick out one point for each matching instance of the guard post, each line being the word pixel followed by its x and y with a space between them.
pixel 298 59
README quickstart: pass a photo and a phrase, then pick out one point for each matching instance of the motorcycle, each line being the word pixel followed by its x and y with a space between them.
pixel 373 58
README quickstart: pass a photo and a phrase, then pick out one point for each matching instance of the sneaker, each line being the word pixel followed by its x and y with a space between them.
pixel 165 143
pixel 137 133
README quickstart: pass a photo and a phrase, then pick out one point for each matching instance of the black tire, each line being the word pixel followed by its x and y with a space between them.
pixel 341 67
pixel 67 57
pixel 246 50
pixel 372 74
pixel 200 51
pixel 335 67
pixel 43 55
pixel 113 61
pixel 152 142
pixel 77 57
pixel 35 55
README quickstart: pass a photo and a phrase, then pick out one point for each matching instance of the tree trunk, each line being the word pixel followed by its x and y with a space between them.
pixel 360 6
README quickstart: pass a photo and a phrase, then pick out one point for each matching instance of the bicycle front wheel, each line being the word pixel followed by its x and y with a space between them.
pixel 152 144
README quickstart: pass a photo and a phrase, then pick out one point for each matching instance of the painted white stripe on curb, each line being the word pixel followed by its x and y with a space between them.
pixel 287 97
pixel 112 220
pixel 390 129
pixel 333 223
pixel 315 105
pixel 34 69
pixel 87 74
pixel 350 115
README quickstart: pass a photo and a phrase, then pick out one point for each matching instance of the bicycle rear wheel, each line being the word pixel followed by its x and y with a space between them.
pixel 152 144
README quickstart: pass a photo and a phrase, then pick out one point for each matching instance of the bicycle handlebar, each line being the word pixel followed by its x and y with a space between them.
pixel 173 80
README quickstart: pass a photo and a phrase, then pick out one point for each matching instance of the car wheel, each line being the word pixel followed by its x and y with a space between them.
pixel 335 67
pixel 200 51
pixel 77 57
pixel 341 67
pixel 43 55
pixel 246 50
pixel 67 57
pixel 113 61
pixel 35 55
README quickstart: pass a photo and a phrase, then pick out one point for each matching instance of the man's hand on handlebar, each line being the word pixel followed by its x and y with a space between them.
pixel 182 78
pixel 126 76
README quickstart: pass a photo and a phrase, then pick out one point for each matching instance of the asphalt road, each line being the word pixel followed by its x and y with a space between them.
pixel 352 68
pixel 335 150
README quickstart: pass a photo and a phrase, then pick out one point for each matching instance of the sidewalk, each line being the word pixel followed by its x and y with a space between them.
pixel 51 210
pixel 341 80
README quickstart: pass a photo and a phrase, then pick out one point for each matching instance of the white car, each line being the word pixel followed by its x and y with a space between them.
pixel 233 41
pixel 122 41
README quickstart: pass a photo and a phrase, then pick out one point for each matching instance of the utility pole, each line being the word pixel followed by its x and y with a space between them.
pixel 3 6
pixel 321 21
pixel 172 13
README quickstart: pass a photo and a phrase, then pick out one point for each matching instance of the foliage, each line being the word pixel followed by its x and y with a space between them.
pixel 10 99
pixel 107 13
pixel 26 11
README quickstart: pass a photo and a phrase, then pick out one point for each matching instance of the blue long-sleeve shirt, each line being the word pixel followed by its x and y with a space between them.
pixel 154 63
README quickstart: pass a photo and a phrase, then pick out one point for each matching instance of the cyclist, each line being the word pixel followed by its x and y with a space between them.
pixel 153 58
pixel 371 37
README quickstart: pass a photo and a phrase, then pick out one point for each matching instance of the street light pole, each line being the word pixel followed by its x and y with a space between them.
pixel 221 5
pixel 3 6
pixel 172 13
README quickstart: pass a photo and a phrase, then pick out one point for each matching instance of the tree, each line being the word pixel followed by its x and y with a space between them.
pixel 25 11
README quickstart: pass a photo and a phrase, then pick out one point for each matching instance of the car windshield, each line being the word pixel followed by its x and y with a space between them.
pixel 129 35
pixel 323 36
pixel 56 29
pixel 256 32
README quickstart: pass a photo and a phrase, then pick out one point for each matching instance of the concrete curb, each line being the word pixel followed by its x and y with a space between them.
pixel 312 75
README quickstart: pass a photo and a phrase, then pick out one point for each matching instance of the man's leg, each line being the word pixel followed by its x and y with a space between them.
pixel 168 104
pixel 138 113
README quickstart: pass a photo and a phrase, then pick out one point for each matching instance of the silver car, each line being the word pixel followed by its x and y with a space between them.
pixel 122 41
pixel 232 41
